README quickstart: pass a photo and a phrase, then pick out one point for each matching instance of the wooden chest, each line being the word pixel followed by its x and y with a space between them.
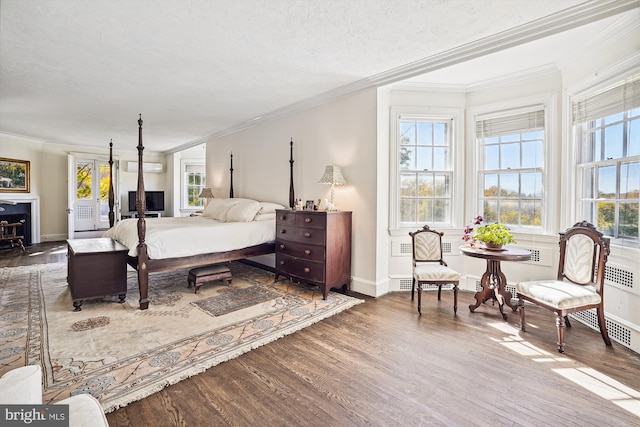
pixel 314 247
pixel 96 268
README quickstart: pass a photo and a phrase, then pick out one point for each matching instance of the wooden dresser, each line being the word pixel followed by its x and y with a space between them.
pixel 314 247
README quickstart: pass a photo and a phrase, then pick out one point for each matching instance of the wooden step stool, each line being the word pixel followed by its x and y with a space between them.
pixel 209 273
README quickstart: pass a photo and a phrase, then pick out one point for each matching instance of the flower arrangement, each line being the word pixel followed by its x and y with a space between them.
pixel 493 235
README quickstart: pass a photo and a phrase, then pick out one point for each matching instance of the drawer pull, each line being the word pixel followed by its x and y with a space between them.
pixel 307 220
pixel 281 246
pixel 283 217
pixel 307 234
pixel 283 231
pixel 282 263
pixel 307 269
pixel 307 252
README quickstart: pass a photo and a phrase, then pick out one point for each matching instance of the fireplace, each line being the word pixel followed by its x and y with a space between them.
pixel 17 213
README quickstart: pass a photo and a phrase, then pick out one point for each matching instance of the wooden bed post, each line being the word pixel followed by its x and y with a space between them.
pixel 111 195
pixel 143 273
pixel 292 196
pixel 231 177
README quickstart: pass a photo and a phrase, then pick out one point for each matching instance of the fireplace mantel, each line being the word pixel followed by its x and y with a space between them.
pixel 35 211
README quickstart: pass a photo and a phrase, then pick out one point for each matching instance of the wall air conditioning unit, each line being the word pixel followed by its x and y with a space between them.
pixel 146 167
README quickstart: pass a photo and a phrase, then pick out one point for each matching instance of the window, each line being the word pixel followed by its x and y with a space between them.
pixel 511 150
pixel 194 182
pixel 607 132
pixel 424 170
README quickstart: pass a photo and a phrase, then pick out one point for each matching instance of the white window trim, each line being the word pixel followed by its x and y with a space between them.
pixel 570 152
pixel 457 159
pixel 183 197
pixel 549 176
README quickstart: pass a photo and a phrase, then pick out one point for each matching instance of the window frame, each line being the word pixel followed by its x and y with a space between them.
pixel 455 164
pixel 545 102
pixel 184 202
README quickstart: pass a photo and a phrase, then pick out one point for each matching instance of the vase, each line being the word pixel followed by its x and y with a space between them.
pixel 490 245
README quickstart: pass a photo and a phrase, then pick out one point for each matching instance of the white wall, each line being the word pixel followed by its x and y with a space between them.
pixel 342 132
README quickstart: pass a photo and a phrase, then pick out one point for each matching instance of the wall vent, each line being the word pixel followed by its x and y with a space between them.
pixel 446 247
pixel 617 332
pixel 535 255
pixel 405 284
pixel 618 275
pixel 405 248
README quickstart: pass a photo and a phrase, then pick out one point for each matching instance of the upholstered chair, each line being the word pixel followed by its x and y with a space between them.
pixel 580 282
pixel 429 267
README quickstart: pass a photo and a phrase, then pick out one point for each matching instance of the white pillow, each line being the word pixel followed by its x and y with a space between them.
pixel 268 207
pixel 243 211
pixel 265 216
pixel 218 208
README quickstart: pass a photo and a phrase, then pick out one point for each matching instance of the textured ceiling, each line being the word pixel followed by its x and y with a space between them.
pixel 79 72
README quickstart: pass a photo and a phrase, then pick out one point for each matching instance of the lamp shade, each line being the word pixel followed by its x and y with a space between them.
pixel 206 193
pixel 333 176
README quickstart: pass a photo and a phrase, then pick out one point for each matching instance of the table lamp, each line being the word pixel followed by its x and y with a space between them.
pixel 333 176
pixel 206 194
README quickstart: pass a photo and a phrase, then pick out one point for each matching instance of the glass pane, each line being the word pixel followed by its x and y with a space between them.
pixel 407 210
pixel 509 185
pixel 607 182
pixel 606 217
pixel 531 185
pixel 630 181
pixel 614 118
pixel 633 138
pixel 510 156
pixel 613 142
pixel 425 185
pixel 406 158
pixel 425 135
pixel 408 185
pixel 597 145
pixel 531 212
pixel 634 113
pixel 84 175
pixel 491 157
pixel 440 158
pixel 587 183
pixel 407 133
pixel 510 138
pixel 424 160
pixel 491 185
pixel 440 210
pixel 588 211
pixel 532 154
pixel 104 182
pixel 490 213
pixel 425 210
pixel 628 220
pixel 442 185
pixel 509 212
pixel 440 134
pixel 529 136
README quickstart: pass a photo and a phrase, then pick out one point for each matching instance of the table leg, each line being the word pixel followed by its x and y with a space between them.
pixel 494 285
pixel 486 292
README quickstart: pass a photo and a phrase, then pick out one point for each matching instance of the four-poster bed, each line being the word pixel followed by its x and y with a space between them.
pixel 156 255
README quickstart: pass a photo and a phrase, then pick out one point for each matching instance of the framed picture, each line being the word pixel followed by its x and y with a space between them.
pixel 14 176
pixel 309 205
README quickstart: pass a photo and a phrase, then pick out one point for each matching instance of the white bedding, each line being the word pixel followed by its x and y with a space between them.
pixel 172 237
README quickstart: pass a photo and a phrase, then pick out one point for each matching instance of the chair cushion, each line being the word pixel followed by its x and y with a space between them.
pixel 426 272
pixel 22 385
pixel 559 294
pixel 84 410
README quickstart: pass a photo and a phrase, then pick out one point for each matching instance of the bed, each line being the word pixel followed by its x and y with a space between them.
pixel 229 229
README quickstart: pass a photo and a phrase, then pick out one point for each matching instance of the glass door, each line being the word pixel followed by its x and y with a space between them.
pixel 91 194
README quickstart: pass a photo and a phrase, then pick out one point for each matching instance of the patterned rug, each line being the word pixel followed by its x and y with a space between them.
pixel 121 354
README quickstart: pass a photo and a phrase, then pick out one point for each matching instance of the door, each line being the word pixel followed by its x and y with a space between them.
pixel 89 197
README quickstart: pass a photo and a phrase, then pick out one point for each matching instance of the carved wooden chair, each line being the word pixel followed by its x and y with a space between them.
pixel 9 233
pixel 428 265
pixel 580 282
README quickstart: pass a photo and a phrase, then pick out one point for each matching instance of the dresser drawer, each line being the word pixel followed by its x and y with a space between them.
pixel 312 236
pixel 300 250
pixel 284 217
pixel 311 220
pixel 303 269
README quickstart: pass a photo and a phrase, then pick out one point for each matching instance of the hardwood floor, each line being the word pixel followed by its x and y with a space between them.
pixel 380 364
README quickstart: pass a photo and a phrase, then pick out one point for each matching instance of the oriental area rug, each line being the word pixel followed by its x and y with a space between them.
pixel 120 354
